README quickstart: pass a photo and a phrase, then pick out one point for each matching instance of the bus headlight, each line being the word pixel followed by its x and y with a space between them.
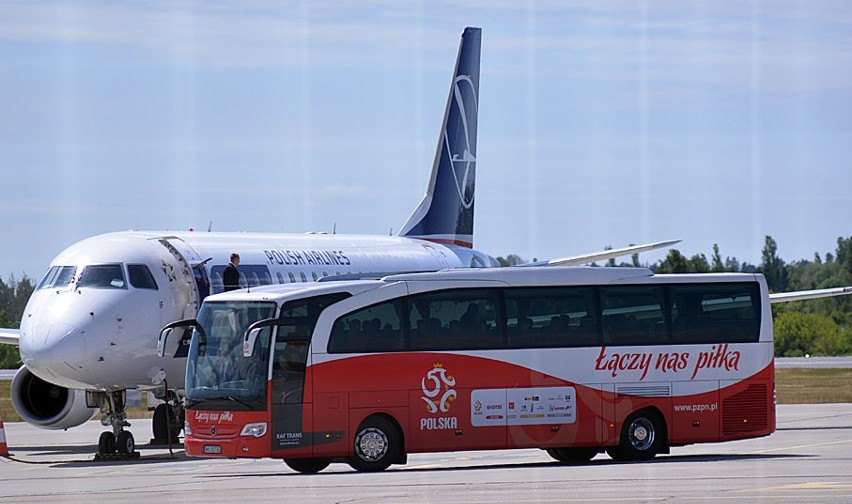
pixel 254 429
pixel 187 431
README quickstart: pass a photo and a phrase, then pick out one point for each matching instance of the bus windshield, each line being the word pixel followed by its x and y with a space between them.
pixel 216 369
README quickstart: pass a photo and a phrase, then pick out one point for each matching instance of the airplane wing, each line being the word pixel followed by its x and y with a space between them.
pixel 9 336
pixel 786 297
pixel 603 255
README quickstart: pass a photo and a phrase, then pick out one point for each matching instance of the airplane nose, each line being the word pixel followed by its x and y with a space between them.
pixel 53 344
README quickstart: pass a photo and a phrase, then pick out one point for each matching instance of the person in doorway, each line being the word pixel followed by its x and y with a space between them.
pixel 231 277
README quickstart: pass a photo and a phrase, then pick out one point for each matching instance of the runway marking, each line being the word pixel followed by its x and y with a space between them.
pixel 817 485
pixel 422 466
pixel 809 485
pixel 799 446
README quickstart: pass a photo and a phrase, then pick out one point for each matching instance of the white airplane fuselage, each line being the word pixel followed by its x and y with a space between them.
pixel 90 329
pixel 103 335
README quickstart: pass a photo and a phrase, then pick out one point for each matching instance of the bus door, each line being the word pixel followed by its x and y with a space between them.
pixel 290 413
pixel 291 392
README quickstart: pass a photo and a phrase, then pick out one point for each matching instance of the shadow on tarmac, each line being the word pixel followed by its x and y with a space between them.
pixel 38 454
pixel 542 465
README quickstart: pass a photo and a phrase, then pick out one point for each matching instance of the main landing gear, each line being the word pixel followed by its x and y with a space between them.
pixel 168 419
pixel 117 443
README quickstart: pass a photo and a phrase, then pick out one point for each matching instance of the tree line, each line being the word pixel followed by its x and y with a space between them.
pixel 814 327
pixel 13 298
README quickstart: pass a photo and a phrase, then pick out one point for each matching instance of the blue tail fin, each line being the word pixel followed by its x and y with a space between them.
pixel 445 215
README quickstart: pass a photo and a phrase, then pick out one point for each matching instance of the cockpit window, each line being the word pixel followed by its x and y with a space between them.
pixel 104 276
pixel 57 276
pixel 140 277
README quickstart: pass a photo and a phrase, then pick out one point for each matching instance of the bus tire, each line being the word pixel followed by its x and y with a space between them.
pixel 308 465
pixel 642 437
pixel 573 455
pixel 377 445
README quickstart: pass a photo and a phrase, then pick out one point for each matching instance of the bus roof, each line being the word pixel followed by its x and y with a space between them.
pixel 521 275
pixel 510 276
pixel 565 275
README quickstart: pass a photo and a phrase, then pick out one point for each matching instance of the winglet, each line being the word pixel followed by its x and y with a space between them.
pixel 445 215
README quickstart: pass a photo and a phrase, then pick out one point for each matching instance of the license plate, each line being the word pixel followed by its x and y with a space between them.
pixel 213 449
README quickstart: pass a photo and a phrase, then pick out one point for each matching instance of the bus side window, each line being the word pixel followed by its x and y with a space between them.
pixel 722 312
pixel 549 317
pixel 686 317
pixel 586 332
pixel 455 319
pixel 633 315
pixel 376 328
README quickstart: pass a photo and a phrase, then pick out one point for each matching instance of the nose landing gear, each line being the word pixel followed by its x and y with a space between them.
pixel 117 443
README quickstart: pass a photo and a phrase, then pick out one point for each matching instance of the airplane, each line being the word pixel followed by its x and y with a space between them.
pixel 89 331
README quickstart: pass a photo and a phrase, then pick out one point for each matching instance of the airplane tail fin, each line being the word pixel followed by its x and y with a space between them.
pixel 445 215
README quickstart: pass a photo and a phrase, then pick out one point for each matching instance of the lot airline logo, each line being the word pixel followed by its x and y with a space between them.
pixel 438 394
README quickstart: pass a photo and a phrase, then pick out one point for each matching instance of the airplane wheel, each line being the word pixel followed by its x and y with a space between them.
pixel 160 424
pixel 106 443
pixel 125 443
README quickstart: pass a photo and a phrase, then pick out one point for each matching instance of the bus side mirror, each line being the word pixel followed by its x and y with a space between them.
pixel 252 333
pixel 166 331
pixel 161 341
pixel 250 339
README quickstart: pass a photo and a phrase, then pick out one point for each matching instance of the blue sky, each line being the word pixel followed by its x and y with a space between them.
pixel 601 123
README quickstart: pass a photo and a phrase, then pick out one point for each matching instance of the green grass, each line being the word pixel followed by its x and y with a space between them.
pixel 813 386
pixel 7 413
pixel 793 386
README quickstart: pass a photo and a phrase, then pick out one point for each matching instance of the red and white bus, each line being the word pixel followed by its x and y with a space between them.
pixel 575 361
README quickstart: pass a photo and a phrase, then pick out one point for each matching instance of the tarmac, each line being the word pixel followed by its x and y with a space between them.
pixel 808 459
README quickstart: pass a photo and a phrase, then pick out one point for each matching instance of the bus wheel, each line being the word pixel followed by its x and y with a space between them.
pixel 642 437
pixel 377 445
pixel 573 455
pixel 308 465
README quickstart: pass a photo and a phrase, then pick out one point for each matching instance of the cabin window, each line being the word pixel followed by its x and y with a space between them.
pixel 57 276
pixel 103 276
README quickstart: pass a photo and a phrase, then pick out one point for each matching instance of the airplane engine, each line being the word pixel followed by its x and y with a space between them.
pixel 47 405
